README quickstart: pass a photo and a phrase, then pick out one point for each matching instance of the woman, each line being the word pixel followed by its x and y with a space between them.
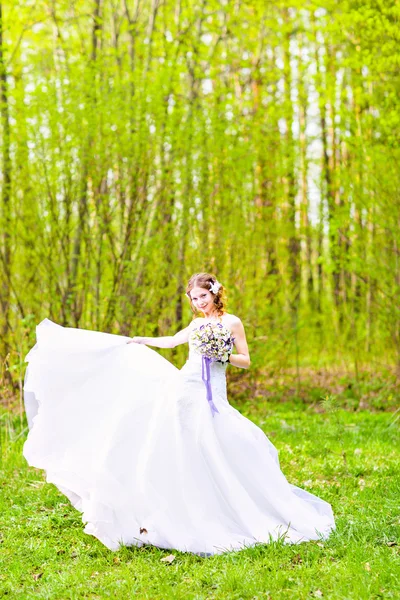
pixel 155 455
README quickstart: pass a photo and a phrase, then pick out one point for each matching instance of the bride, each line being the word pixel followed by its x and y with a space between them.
pixel 150 454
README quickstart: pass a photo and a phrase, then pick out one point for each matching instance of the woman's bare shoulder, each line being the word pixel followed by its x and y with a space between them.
pixel 194 322
pixel 231 319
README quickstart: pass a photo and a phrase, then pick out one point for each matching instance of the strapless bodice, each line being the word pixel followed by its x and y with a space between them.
pixel 192 372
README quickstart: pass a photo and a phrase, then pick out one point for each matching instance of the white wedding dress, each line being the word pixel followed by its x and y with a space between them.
pixel 132 442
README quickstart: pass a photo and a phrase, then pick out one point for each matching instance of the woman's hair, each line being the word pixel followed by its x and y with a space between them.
pixel 205 280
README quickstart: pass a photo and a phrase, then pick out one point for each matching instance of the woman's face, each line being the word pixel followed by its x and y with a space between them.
pixel 202 299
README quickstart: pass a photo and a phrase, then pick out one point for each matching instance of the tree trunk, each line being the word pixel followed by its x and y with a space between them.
pixel 5 197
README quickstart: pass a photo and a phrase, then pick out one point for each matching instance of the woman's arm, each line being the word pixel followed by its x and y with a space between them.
pixel 168 341
pixel 242 358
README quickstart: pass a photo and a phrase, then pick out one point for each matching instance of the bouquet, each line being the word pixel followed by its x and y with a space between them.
pixel 215 343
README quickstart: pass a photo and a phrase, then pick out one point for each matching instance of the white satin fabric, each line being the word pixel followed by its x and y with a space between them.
pixel 132 442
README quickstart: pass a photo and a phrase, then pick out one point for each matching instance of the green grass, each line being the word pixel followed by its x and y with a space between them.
pixel 351 459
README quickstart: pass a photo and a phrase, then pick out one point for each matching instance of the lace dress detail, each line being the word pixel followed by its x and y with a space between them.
pixel 218 371
pixel 191 393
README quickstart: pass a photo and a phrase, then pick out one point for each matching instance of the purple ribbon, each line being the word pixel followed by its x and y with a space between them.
pixel 207 382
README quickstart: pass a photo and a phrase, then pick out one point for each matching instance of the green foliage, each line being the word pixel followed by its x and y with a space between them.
pixel 144 141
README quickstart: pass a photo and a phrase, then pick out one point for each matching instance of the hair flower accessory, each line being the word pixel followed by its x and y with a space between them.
pixel 214 287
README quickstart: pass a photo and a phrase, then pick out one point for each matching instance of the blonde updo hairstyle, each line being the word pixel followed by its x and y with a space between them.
pixel 205 281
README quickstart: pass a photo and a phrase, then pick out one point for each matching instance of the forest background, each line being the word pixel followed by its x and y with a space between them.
pixel 142 141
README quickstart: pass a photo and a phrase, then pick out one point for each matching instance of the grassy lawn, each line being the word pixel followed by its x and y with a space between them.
pixel 349 458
